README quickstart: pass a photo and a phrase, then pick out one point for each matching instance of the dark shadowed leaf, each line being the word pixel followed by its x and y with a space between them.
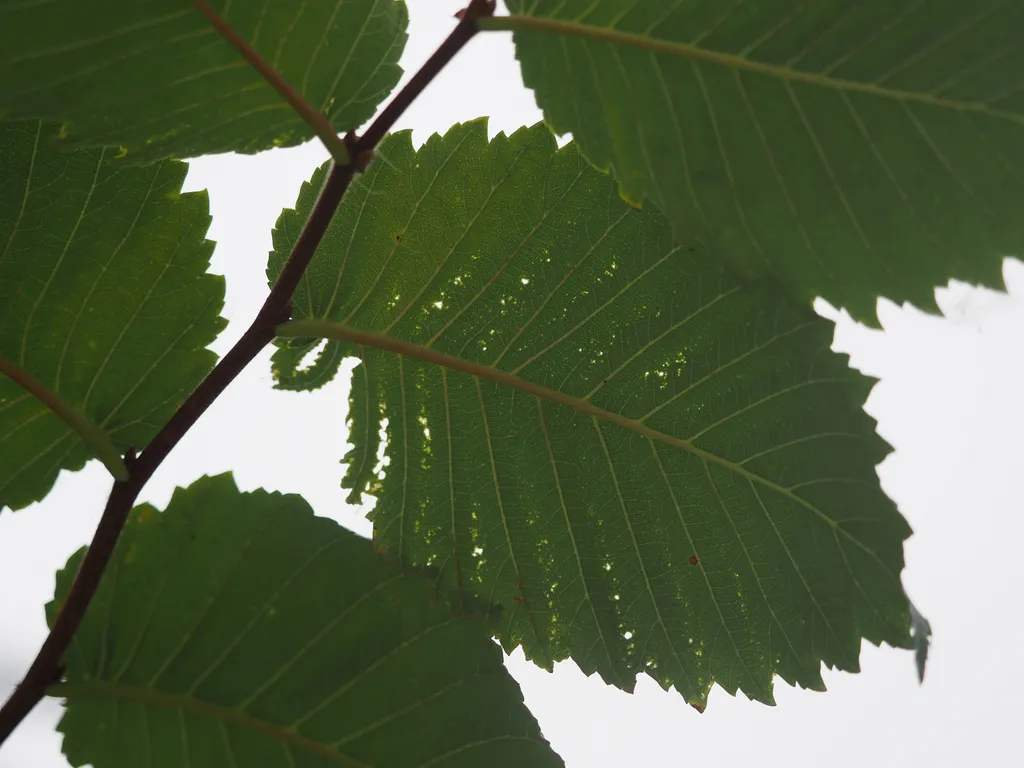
pixel 154 77
pixel 853 149
pixel 237 629
pixel 687 486
pixel 104 297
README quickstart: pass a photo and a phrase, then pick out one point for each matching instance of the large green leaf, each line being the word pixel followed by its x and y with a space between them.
pixel 686 486
pixel 104 297
pixel 154 77
pixel 237 629
pixel 853 149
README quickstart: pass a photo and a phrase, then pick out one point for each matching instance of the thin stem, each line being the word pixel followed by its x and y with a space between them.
pixel 45 669
pixel 91 432
pixel 314 119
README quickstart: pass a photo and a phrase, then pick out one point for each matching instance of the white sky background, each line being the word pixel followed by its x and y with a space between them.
pixel 949 401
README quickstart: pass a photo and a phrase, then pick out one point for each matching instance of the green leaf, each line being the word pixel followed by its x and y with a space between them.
pixel 104 298
pixel 853 150
pixel 650 465
pixel 154 77
pixel 237 629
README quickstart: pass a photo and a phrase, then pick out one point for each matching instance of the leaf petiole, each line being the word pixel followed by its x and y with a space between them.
pixel 93 435
pixel 314 119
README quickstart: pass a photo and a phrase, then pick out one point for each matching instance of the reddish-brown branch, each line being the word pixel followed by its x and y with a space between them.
pixel 45 669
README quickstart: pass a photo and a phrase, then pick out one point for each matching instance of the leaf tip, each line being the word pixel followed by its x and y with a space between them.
pixel 920 633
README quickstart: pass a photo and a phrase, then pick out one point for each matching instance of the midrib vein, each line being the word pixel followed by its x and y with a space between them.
pixel 516 23
pixel 149 697
pixel 329 330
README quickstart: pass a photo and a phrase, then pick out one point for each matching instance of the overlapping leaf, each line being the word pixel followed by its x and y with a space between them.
pixel 237 629
pixel 154 77
pixel 688 489
pixel 852 149
pixel 104 297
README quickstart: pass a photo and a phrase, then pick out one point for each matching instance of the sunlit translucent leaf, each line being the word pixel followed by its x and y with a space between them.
pixel 104 297
pixel 693 492
pixel 154 76
pixel 237 629
pixel 853 149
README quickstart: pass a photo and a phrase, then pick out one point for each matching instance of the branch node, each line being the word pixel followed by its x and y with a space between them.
pixel 476 9
pixel 361 155
pixel 362 161
pixel 130 457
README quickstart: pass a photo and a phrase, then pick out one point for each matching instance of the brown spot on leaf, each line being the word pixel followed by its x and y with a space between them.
pixel 693 560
